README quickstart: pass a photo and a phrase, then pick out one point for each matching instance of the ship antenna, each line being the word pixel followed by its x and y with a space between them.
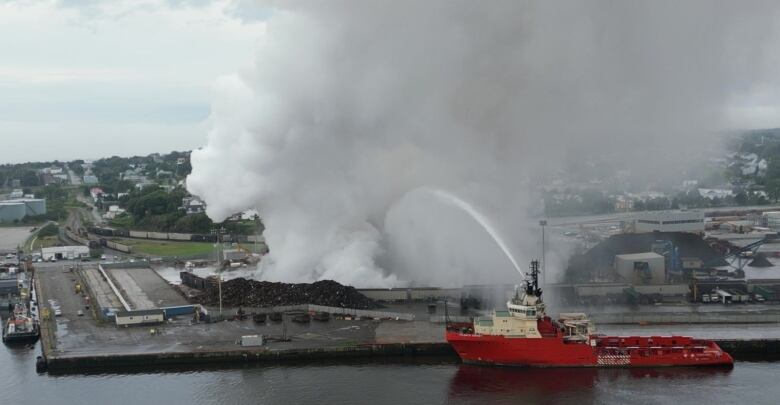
pixel 446 315
pixel 532 284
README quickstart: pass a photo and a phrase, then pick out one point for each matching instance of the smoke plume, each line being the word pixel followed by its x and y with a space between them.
pixel 351 106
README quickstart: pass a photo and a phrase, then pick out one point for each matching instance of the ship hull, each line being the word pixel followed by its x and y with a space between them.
pixel 669 351
pixel 24 337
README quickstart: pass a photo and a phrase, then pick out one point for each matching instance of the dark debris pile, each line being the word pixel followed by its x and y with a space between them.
pixel 253 293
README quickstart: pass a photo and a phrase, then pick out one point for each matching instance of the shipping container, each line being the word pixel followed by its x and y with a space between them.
pixel 179 310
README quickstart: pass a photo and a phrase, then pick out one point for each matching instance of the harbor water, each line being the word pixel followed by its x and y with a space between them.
pixel 419 382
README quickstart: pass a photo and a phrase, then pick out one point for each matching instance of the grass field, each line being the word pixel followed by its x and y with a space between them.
pixel 167 248
pixel 46 241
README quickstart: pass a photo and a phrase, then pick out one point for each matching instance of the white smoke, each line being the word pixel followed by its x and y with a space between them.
pixel 350 105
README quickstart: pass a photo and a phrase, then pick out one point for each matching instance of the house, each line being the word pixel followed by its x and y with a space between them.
pixel 143 184
pixel 113 212
pixel 713 193
pixel 96 192
pixel 193 205
pixel 90 179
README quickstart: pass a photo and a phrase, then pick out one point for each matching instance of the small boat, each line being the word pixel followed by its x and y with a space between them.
pixel 20 327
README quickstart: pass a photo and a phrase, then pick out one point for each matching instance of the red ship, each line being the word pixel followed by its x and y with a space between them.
pixel 524 335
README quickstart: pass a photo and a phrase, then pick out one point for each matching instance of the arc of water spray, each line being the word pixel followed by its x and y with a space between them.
pixel 454 200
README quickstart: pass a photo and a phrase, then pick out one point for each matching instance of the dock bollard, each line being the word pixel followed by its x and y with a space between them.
pixel 40 364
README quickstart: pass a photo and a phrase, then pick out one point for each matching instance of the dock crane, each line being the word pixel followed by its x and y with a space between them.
pixel 741 256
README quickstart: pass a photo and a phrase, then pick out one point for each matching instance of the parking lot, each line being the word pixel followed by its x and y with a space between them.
pixel 12 237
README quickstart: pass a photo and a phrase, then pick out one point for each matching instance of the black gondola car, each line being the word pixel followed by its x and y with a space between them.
pixel 275 316
pixel 302 318
pixel 259 318
pixel 322 316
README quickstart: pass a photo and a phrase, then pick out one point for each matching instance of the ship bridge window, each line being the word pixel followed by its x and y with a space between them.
pixel 530 312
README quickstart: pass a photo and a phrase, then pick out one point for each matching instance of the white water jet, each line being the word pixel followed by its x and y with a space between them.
pixel 456 201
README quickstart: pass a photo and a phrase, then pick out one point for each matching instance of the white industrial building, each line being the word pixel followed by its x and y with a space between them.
pixel 771 220
pixel 139 317
pixel 641 268
pixel 17 209
pixel 64 252
pixel 668 221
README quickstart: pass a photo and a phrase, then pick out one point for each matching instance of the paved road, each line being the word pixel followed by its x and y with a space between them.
pixel 619 216
pixel 92 210
pixel 74 179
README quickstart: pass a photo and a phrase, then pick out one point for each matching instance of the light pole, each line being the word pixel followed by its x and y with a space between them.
pixel 543 223
pixel 219 267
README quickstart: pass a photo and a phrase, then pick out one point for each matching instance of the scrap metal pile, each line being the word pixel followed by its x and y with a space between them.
pixel 253 293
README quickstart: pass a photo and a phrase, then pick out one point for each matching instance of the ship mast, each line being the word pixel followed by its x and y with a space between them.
pixel 532 281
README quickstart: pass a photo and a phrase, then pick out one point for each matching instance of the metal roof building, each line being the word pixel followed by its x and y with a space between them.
pixel 64 252
pixel 16 209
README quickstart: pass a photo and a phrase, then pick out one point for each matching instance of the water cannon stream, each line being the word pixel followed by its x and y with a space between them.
pixel 458 202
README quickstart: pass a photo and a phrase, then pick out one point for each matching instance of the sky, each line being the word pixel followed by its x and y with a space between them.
pixel 88 79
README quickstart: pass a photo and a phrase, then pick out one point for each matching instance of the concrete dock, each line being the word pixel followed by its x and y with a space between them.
pixel 73 343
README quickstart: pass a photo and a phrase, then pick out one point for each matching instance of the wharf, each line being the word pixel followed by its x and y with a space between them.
pixel 747 349
pixel 77 344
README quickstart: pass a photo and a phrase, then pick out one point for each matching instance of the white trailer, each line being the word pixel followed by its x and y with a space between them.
pixel 723 296
pixel 251 340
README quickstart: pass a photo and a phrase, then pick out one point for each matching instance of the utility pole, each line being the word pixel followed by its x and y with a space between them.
pixel 543 223
pixel 219 267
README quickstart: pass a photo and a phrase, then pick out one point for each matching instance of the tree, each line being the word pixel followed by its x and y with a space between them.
pixel 30 179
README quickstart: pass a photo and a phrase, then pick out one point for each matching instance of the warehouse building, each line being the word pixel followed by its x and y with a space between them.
pixel 668 221
pixel 771 220
pixel 64 252
pixel 17 209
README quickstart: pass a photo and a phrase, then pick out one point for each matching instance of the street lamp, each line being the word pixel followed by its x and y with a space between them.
pixel 219 267
pixel 543 223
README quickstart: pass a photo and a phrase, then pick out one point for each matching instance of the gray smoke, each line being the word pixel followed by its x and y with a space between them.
pixel 351 105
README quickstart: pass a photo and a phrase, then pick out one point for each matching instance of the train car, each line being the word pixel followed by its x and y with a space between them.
pixel 119 247
pixel 102 231
pixel 180 236
pixel 157 235
pixel 204 238
pixel 139 234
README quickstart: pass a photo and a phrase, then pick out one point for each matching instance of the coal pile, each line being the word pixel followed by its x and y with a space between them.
pixel 760 260
pixel 253 293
